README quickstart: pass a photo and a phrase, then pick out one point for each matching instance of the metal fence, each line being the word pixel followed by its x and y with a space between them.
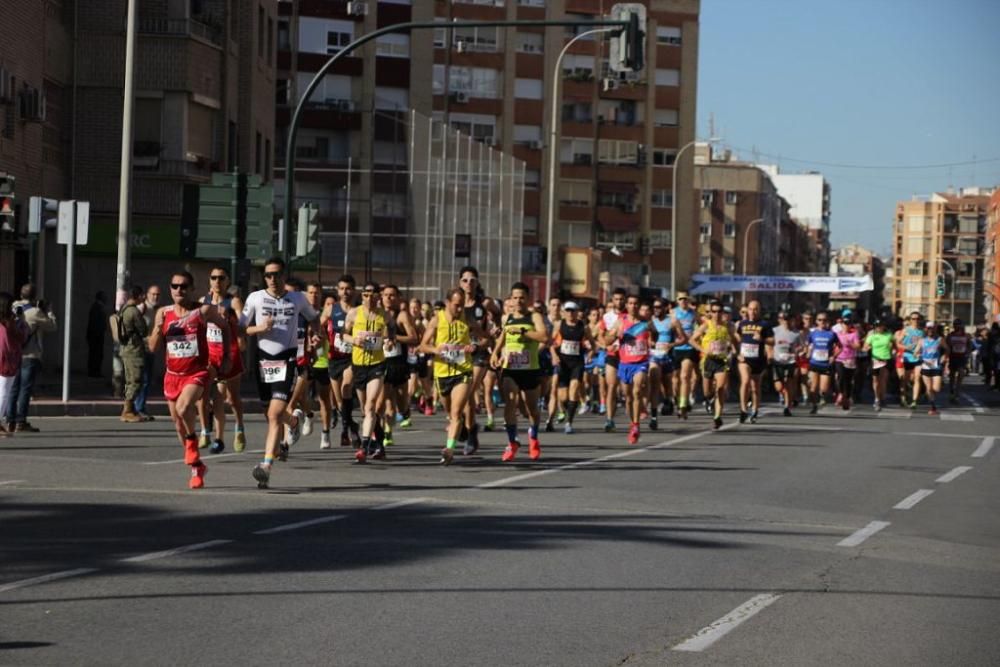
pixel 431 200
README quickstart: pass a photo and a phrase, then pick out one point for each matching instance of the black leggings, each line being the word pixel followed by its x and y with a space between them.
pixel 845 379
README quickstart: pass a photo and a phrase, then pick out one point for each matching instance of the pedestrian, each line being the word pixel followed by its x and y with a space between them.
pixel 96 324
pixel 13 334
pixel 40 320
pixel 132 346
pixel 148 308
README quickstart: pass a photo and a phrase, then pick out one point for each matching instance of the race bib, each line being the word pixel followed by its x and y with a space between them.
pixel 930 364
pixel 783 353
pixel 637 349
pixel 661 350
pixel 878 363
pixel 452 354
pixel 570 347
pixel 396 351
pixel 849 363
pixel 273 370
pixel 517 360
pixel 182 347
pixel 958 346
pixel 412 358
pixel 821 356
pixel 368 341
pixel 750 350
pixel 717 348
pixel 340 345
pixel 213 334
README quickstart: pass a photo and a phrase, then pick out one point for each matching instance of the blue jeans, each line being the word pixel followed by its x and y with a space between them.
pixel 147 374
pixel 20 393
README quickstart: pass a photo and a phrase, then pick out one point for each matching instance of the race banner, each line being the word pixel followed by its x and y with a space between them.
pixel 703 283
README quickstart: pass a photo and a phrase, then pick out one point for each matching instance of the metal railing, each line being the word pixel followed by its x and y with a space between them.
pixel 181 28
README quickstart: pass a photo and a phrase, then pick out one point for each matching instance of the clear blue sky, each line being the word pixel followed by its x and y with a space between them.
pixel 860 82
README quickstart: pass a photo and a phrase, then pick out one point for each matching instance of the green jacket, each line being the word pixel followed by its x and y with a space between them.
pixel 134 330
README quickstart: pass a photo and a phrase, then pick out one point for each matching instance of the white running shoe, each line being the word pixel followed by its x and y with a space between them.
pixel 307 425
pixel 294 433
pixel 324 440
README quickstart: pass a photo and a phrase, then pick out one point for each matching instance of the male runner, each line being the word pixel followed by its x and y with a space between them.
pixel 478 312
pixel 684 354
pixel 634 334
pixel 517 353
pixel 550 384
pixel 183 326
pixel 715 341
pixel 755 350
pixel 314 378
pixel 611 361
pixel 333 319
pixel 821 350
pixel 959 346
pixel 569 345
pixel 784 371
pixel 397 369
pixel 417 362
pixel 212 407
pixel 272 315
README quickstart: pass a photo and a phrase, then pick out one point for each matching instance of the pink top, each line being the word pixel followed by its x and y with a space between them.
pixel 848 338
pixel 12 339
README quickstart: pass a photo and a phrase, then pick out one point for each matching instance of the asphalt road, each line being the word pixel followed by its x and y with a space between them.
pixel 843 538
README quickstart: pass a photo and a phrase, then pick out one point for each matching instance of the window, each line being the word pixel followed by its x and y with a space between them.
pixel 728 264
pixel 326 36
pixel 389 205
pixel 475 39
pixel 531 225
pixel 705 232
pixel 333 90
pixel 916 268
pixel 917 289
pixel 966 270
pixel 395 99
pixel 659 239
pixel 668 77
pixel 732 198
pixel 393 46
pixel 270 40
pixel 440 35
pixel 576 151
pixel 624 241
pixel 705 264
pixel 146 138
pixel 707 197
pixel 527 134
pixel 577 112
pixel 968 246
pixel 284 35
pixel 335 41
pixel 963 291
pixel 572 31
pixel 480 126
pixel 532 177
pixel 530 42
pixel 474 81
pixel 664 157
pixel 729 230
pixel 531 3
pixel 201 130
pixel 918 224
pixel 665 117
pixel 576 193
pixel 918 245
pixel 259 148
pixel 267 160
pixel 668 35
pixel 619 112
pixel 528 89
pixel 662 199
pixel 578 67
pixel 621 200
pixel 615 151
pixel 967 225
pixel 319 149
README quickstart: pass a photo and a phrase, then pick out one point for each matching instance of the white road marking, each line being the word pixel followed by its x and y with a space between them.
pixel 710 634
pixel 806 427
pixel 895 414
pixel 957 417
pixel 55 576
pixel 979 406
pixel 157 555
pixel 11 481
pixel 207 458
pixel 955 472
pixel 909 501
pixel 859 536
pixel 300 524
pixel 984 448
pixel 400 503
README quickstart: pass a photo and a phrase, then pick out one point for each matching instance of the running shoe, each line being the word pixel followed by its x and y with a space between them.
pixel 324 440
pixel 933 412
pixel 633 434
pixel 718 423
pixel 446 456
pixel 295 432
pixel 360 455
pixel 510 452
pixel 198 471
pixel 283 450
pixel 568 429
pixel 405 423
pixel 787 412
pixel 428 410
pixel 560 417
pixel 549 427
pixel 239 441
pixel 262 473
pixel 652 424
pixel 355 436
pixel 877 406
pixel 814 408
pixel 204 440
pixel 489 423
pixel 845 404
pixel 583 409
pixel 217 446
pixel 609 426
pixel 708 406
pixel 743 417
pixel 534 449
pixel 753 417
pixel 399 417
pixel 190 451
pixel 603 410
pixel 345 440
pixel 377 452
pixel 472 446
pixel 307 425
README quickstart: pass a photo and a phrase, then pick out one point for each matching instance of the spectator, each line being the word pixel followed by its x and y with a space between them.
pixel 132 341
pixel 13 334
pixel 97 323
pixel 40 320
pixel 148 309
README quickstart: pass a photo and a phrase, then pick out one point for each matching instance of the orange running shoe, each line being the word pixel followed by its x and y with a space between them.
pixel 511 451
pixel 534 449
pixel 191 456
pixel 633 434
pixel 198 471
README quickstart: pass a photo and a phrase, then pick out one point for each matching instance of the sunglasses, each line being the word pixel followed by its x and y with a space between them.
pixel 714 311
pixel 468 280
pixel 218 277
pixel 179 286
pixel 271 275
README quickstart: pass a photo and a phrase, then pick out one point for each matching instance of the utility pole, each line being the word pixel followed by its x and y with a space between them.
pixel 125 175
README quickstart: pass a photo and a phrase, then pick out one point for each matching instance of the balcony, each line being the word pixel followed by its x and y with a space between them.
pixel 181 28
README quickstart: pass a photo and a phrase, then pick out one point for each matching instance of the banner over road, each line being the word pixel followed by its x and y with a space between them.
pixel 703 283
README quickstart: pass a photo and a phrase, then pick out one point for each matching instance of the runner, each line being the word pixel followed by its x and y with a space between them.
pixel 633 333
pixel 341 374
pixel 879 343
pixel 959 344
pixel 807 327
pixel 183 326
pixel 685 355
pixel 572 340
pixel 616 309
pixel 715 341
pixel 417 361
pixel 823 346
pixel 595 364
pixel 397 369
pixel 372 334
pixel 934 354
pixel 477 313
pixel 550 384
pixel 449 337
pixel 668 334
pixel 755 350
pixel 785 375
pixel 315 381
pixel 516 352
pixel 908 341
pixel 846 362
pixel 227 386
pixel 272 314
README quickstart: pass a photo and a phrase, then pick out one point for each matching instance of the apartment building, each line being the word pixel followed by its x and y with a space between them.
pixel 942 234
pixel 991 259
pixel 808 195
pixel 856 260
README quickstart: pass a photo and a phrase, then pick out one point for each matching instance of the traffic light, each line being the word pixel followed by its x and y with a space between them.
pixel 940 284
pixel 628 48
pixel 307 232
pixel 8 186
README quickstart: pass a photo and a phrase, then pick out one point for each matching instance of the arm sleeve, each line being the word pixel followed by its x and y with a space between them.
pixel 247 317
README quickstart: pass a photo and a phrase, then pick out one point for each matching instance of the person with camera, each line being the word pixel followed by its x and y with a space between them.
pixel 40 319
pixel 13 334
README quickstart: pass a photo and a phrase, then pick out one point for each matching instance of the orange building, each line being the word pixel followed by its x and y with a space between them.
pixel 991 258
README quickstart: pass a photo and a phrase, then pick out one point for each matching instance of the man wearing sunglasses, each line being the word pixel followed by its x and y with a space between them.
pixel 184 326
pixel 341 374
pixel 479 312
pixel 212 407
pixel 685 355
pixel 715 341
pixel 272 315
pixel 822 349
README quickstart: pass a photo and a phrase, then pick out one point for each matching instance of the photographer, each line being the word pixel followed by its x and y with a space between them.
pixel 40 320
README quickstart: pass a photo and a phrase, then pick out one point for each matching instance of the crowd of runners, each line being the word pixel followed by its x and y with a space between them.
pixel 364 360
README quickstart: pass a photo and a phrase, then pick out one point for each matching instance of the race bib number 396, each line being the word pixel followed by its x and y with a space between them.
pixel 273 370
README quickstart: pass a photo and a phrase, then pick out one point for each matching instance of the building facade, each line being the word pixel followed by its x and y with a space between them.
pixel 856 260
pixel 940 239
pixel 808 195
pixel 991 259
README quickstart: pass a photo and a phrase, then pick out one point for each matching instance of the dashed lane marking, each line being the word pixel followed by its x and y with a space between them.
pixel 911 500
pixel 975 403
pixel 300 524
pixel 157 555
pixel 55 576
pixel 953 474
pixel 957 417
pixel 984 448
pixel 859 536
pixel 712 633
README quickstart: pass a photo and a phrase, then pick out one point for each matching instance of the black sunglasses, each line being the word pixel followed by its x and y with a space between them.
pixel 272 274
pixel 219 277
pixel 179 286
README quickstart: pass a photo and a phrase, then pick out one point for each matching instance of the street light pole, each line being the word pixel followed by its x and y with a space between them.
pixel 553 154
pixel 746 238
pixel 125 173
pixel 673 212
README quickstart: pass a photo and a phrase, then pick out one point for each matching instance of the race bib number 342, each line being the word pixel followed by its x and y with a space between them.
pixel 182 347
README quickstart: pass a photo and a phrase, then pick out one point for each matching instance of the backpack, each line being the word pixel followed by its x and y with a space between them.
pixel 117 324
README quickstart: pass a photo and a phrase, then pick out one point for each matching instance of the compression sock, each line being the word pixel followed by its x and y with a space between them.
pixel 571 407
pixel 511 432
pixel 450 444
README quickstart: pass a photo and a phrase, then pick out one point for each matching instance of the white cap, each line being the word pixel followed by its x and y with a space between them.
pixel 571 305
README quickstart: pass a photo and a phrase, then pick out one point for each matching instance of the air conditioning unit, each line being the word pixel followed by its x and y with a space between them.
pixel 460 98
pixel 537 145
pixel 609 84
pixel 630 207
pixel 357 8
